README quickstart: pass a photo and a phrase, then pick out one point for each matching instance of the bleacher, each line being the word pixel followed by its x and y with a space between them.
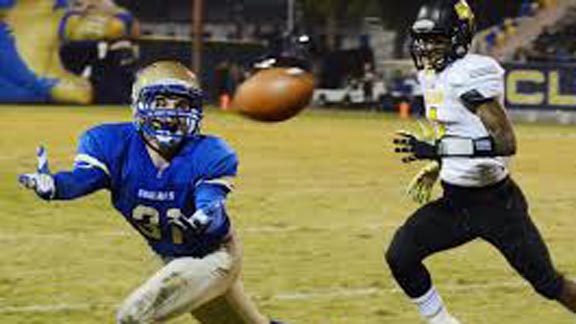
pixel 554 43
pixel 514 38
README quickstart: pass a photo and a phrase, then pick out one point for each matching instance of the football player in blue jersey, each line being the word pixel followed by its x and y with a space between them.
pixel 170 183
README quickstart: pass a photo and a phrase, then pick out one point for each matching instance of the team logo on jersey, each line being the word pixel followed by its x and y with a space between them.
pixel 156 195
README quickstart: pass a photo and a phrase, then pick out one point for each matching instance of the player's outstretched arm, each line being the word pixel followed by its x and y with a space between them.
pixel 211 216
pixel 496 121
pixel 42 182
pixel 65 185
pixel 210 219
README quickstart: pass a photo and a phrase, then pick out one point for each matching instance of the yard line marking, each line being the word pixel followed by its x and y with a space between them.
pixel 259 230
pixel 359 292
pixel 61 236
pixel 336 293
pixel 548 136
pixel 339 293
pixel 46 308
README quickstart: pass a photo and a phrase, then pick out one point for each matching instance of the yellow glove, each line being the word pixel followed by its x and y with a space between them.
pixel 420 188
pixel 427 130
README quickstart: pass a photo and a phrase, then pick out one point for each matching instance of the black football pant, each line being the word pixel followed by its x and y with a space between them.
pixel 497 213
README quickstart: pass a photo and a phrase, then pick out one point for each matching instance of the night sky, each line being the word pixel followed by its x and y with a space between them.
pixel 488 12
pixel 397 13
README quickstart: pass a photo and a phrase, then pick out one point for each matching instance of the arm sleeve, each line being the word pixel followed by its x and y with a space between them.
pixel 216 184
pixel 211 192
pixel 79 182
pixel 90 172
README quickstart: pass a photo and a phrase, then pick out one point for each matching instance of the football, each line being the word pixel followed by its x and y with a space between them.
pixel 274 94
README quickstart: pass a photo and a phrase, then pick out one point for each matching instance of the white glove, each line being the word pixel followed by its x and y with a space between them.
pixel 42 181
pixel 195 224
pixel 420 188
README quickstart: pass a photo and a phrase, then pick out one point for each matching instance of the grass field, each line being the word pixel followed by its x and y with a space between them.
pixel 317 201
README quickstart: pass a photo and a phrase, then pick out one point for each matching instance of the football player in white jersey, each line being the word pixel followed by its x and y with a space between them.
pixel 472 144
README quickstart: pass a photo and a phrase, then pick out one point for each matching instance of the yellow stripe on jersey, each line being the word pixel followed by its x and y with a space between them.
pixel 92 161
pixel 434 97
pixel 433 113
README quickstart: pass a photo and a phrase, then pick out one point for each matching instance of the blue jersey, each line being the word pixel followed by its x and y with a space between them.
pixel 115 157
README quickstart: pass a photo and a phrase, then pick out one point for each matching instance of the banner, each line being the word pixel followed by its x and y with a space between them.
pixel 541 86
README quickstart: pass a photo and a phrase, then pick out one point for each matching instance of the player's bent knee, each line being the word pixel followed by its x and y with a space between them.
pixel 125 318
pixel 131 313
pixel 550 288
pixel 398 256
pixel 394 260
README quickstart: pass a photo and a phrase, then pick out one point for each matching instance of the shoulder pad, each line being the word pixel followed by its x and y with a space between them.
pixel 110 132
pixel 106 138
pixel 474 69
pixel 212 146
pixel 214 157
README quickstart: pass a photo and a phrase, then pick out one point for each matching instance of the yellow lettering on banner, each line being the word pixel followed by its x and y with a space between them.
pixel 512 85
pixel 555 98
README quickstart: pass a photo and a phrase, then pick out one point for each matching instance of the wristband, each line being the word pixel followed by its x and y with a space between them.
pixel 466 147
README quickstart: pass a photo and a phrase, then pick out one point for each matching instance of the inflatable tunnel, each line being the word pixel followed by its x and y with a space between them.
pixel 31 34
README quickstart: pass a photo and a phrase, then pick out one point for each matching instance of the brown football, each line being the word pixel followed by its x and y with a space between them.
pixel 274 94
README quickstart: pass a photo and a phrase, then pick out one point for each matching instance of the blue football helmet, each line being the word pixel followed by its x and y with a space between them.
pixel 167 104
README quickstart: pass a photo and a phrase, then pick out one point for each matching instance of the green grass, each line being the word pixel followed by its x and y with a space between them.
pixel 317 201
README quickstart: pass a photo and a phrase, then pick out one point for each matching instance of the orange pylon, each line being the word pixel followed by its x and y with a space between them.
pixel 404 110
pixel 224 101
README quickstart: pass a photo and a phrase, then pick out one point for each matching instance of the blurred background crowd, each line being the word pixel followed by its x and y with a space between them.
pixel 86 51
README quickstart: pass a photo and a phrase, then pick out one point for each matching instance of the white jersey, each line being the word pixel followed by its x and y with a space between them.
pixel 445 109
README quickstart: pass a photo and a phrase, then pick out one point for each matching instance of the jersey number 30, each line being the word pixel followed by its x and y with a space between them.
pixel 147 219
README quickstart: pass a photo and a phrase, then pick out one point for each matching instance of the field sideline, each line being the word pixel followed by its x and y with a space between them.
pixel 316 203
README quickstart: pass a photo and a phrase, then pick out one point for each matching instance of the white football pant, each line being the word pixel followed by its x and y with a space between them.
pixel 209 288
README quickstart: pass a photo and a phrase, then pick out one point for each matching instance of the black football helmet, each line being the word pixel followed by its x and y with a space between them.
pixel 442 33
